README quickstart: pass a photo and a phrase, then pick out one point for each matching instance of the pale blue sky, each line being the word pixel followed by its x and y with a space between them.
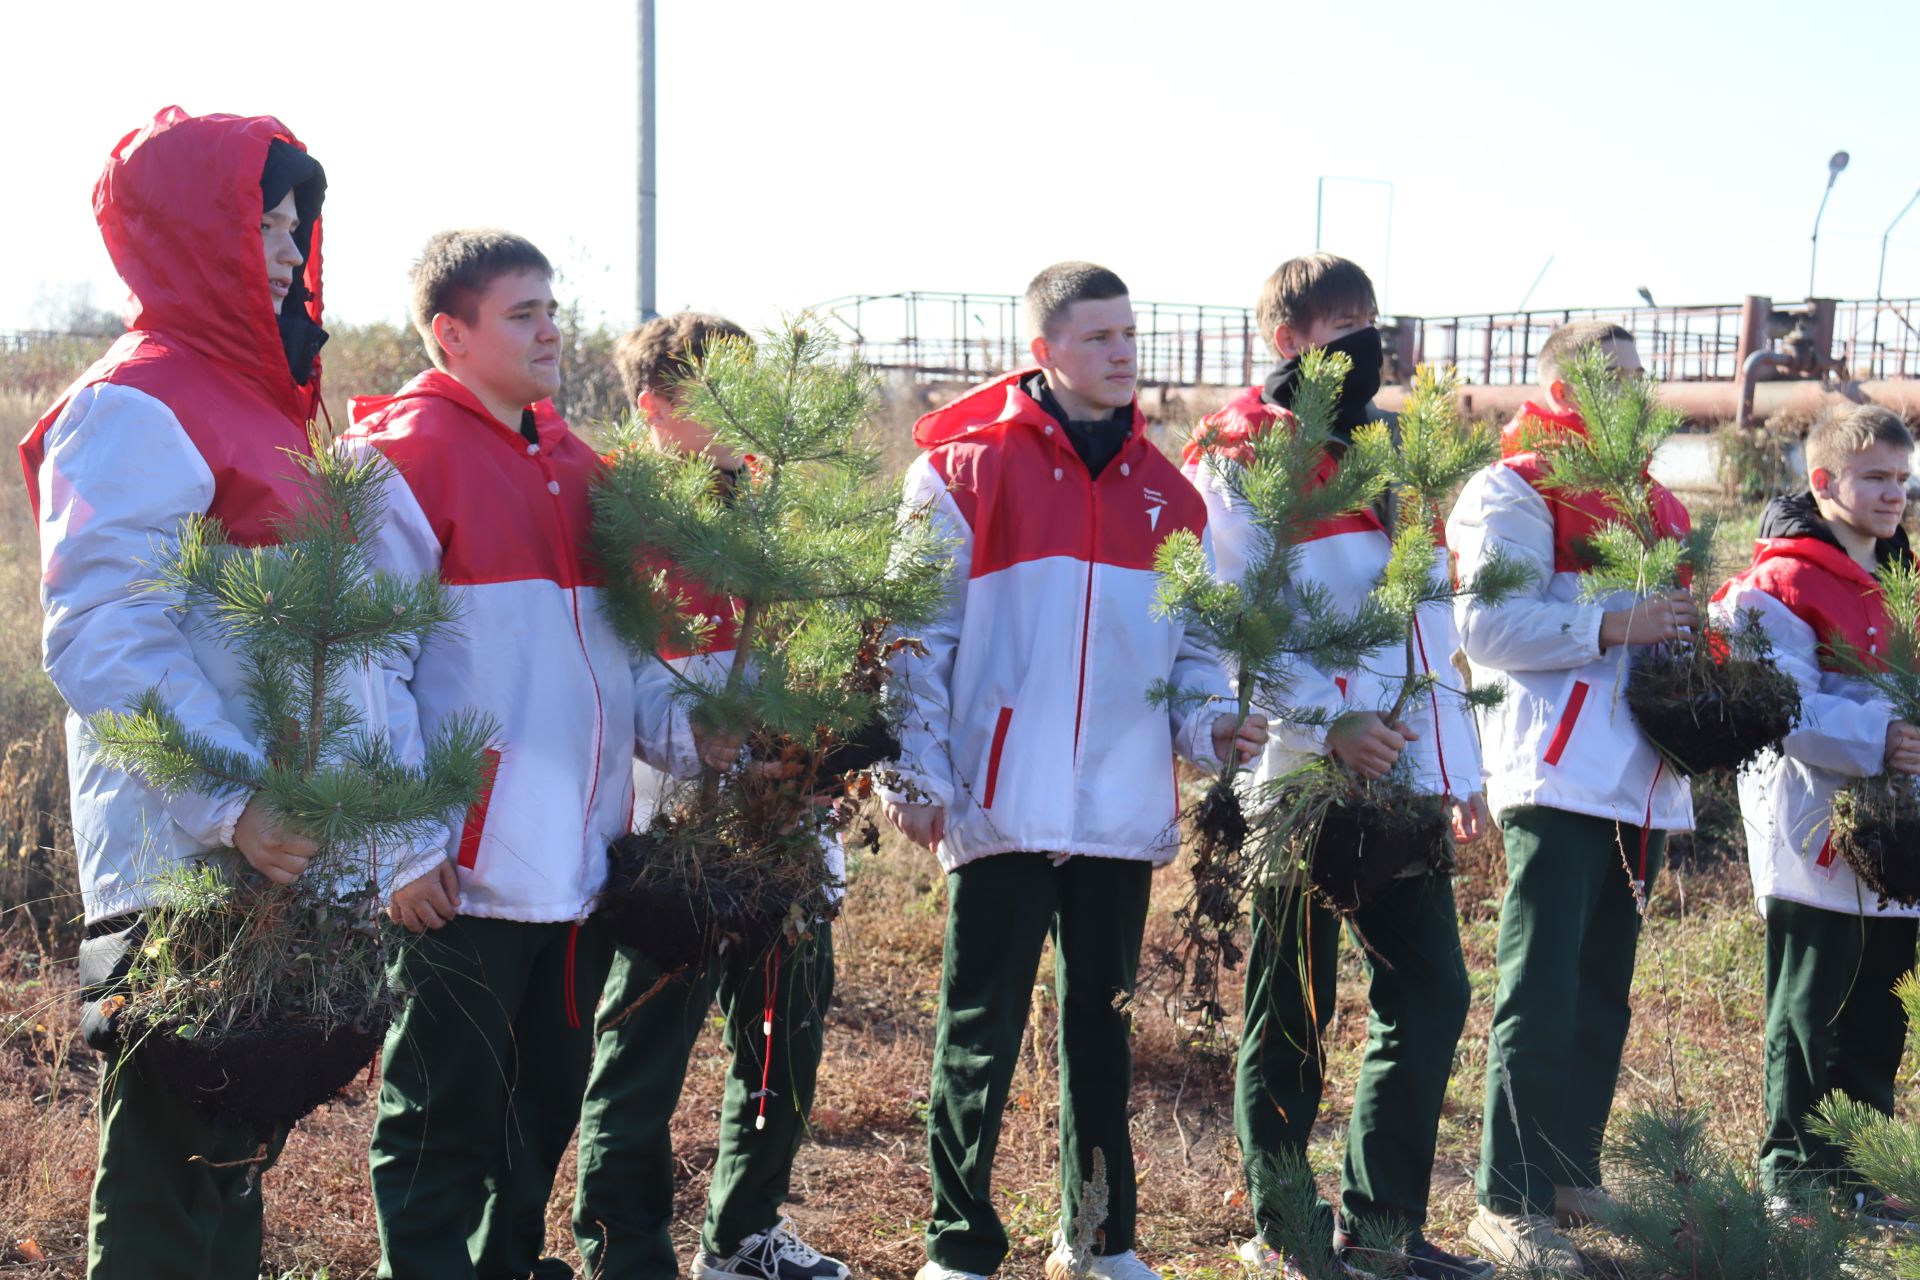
pixel 814 149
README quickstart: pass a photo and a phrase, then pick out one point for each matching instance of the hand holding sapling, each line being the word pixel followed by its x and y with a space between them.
pixel 1658 619
pixel 1365 743
pixel 277 854
pixel 430 902
pixel 1245 737
pixel 923 824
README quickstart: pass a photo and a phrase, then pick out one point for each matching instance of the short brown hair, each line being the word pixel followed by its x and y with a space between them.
pixel 455 269
pixel 1063 284
pixel 1569 340
pixel 1845 433
pixel 1302 290
pixel 661 352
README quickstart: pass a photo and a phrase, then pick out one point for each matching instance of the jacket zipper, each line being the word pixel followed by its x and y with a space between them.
pixel 1086 617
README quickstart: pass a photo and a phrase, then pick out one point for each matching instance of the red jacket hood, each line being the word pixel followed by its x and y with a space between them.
pixel 179 207
pixel 370 414
pixel 1530 422
pixel 1815 553
pixel 1230 429
pixel 1000 400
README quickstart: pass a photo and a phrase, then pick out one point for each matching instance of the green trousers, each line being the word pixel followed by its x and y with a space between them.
pixel 159 1213
pixel 624 1207
pixel 1000 911
pixel 1417 996
pixel 1569 929
pixel 483 1074
pixel 1833 1026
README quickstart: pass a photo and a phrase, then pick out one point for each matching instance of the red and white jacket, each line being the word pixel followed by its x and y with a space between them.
pixel 1029 717
pixel 193 412
pixel 505 524
pixel 1808 594
pixel 1347 556
pixel 1563 737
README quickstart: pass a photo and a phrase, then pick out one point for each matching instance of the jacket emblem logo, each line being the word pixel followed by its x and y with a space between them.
pixel 1156 504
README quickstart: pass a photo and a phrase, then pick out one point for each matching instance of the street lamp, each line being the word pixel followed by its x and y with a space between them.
pixel 1880 281
pixel 1834 166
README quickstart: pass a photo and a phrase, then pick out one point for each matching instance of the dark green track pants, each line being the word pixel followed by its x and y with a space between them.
pixel 1833 1025
pixel 484 1070
pixel 1569 929
pixel 158 1213
pixel 1417 997
pixel 1000 911
pixel 623 1211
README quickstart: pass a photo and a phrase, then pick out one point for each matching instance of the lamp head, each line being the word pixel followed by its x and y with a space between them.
pixel 1835 164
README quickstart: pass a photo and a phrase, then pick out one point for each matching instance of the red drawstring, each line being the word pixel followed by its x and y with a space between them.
pixel 568 993
pixel 766 1029
pixel 1640 885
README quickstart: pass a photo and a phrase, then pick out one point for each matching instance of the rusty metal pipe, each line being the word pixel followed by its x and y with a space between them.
pixel 1750 374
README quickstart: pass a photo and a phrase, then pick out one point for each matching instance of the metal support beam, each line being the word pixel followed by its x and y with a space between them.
pixel 648 192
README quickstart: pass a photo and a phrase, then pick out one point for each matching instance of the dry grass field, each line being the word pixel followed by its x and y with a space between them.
pixel 861 1188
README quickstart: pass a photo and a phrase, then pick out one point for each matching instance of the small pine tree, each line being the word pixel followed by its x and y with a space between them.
pixel 1883 1151
pixel 1876 820
pixel 817 564
pixel 1702 705
pixel 229 961
pixel 1264 627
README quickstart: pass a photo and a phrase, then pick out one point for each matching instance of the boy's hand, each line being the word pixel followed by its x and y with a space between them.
pixel 717 748
pixel 429 902
pixel 1903 747
pixel 1470 817
pixel 1365 743
pixel 1247 744
pixel 278 855
pixel 924 824
pixel 1655 620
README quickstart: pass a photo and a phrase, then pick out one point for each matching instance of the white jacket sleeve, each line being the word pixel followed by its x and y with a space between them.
pixel 1835 732
pixel 662 732
pixel 1231 541
pixel 1205 686
pixel 1529 631
pixel 923 686
pixel 1457 736
pixel 405 546
pixel 118 477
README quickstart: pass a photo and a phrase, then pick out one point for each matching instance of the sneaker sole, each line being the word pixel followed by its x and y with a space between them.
pixel 1501 1253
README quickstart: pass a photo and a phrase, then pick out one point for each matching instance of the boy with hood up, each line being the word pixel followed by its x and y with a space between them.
pixel 1833 956
pixel 1572 782
pixel 1040 772
pixel 213 222
pixel 1417 990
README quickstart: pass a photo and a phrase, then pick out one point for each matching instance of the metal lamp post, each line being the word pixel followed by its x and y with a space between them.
pixel 1834 166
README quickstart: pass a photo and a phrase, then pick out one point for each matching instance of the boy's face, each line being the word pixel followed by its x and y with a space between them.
pixel 511 348
pixel 1089 356
pixel 678 434
pixel 277 226
pixel 1323 332
pixel 1870 493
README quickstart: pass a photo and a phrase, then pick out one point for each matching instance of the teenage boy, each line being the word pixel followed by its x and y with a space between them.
pixel 485 1064
pixel 1417 989
pixel 1833 953
pixel 1040 772
pixel 623 1211
pixel 1581 796
pixel 213 222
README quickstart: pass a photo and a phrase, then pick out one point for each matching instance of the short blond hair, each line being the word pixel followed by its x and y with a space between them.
pixel 1844 434
pixel 1564 344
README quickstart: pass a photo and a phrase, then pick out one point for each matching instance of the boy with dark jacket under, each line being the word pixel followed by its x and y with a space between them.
pixel 1572 782
pixel 1833 953
pixel 484 1067
pixel 214 224
pixel 1417 989
pixel 1038 769
pixel 623 1209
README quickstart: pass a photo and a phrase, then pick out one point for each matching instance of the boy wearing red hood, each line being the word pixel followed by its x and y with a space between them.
pixel 1417 988
pixel 214 224
pixel 1572 782
pixel 1833 954
pixel 484 1066
pixel 1038 769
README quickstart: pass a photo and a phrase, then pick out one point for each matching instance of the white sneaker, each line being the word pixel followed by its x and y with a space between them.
pixel 779 1254
pixel 1261 1258
pixel 934 1271
pixel 1528 1240
pixel 1117 1266
pixel 1583 1206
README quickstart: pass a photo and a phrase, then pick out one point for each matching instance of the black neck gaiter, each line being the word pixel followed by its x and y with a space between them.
pixel 1363 348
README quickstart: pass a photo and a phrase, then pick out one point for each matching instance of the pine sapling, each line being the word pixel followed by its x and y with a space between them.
pixel 1884 1152
pixel 799 566
pixel 258 1001
pixel 1876 820
pixel 1703 705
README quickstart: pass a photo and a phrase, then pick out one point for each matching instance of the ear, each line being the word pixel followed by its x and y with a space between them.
pixel 1042 351
pixel 1560 393
pixel 650 403
pixel 450 334
pixel 1287 342
pixel 1820 480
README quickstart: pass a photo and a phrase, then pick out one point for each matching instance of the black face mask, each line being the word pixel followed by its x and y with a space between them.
pixel 1362 346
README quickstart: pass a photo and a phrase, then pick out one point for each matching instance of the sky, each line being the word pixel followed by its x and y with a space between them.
pixel 813 150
